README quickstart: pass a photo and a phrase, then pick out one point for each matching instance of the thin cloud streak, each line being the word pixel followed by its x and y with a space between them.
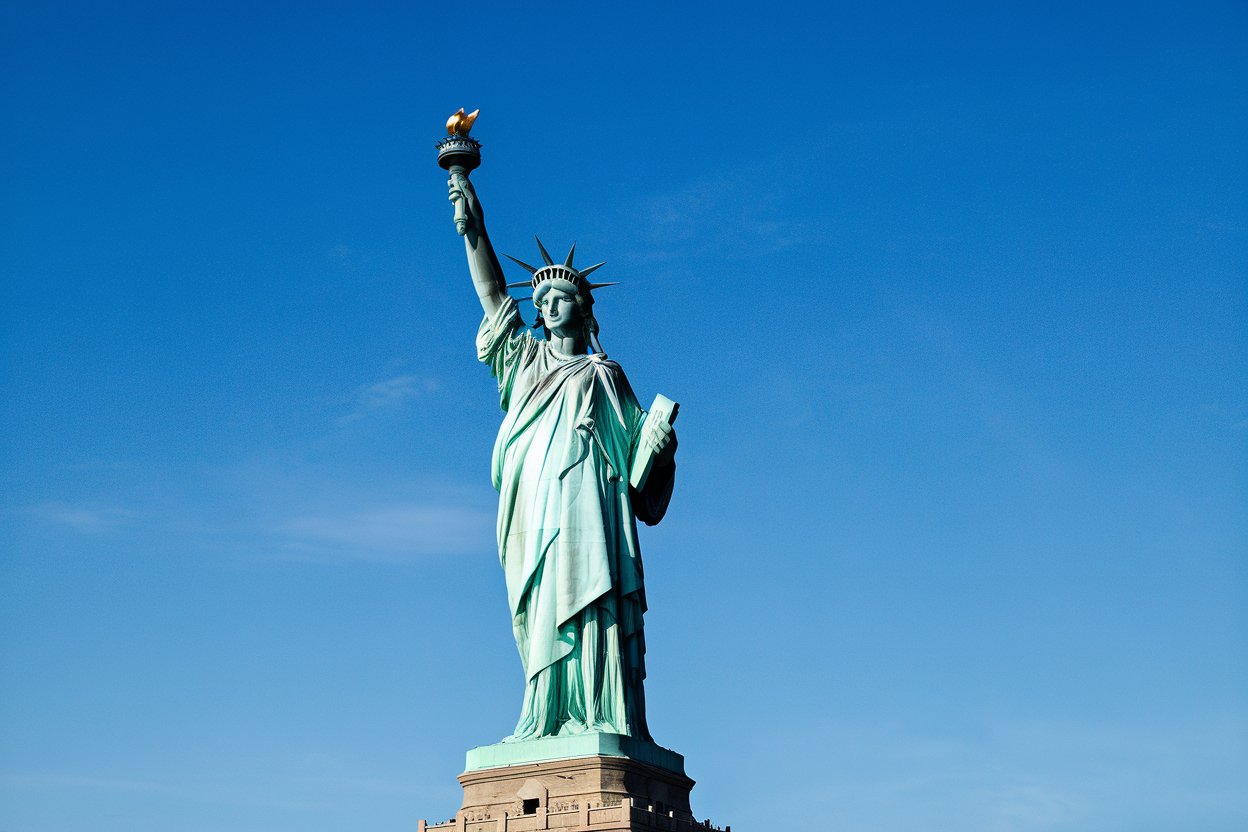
pixel 389 533
pixel 85 519
pixel 388 394
pixel 280 513
pixel 743 209
pixel 1029 775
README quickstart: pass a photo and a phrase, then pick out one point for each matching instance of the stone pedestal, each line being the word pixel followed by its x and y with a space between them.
pixel 617 784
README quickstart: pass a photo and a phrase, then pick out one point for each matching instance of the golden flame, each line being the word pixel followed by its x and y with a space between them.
pixel 460 123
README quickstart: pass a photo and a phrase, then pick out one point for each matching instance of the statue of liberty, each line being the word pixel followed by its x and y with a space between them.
pixel 567 515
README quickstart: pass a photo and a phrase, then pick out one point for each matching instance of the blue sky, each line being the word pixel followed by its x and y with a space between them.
pixel 954 300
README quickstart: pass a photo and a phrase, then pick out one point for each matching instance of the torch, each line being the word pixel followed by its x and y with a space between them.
pixel 458 154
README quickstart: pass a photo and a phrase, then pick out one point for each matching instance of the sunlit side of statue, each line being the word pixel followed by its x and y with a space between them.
pixel 573 436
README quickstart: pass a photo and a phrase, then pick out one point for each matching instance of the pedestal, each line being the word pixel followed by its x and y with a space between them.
pixel 586 783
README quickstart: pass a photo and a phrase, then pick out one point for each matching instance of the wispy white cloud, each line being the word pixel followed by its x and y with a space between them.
pixel 388 533
pixel 747 209
pixel 284 509
pixel 84 519
pixel 1032 775
pixel 388 394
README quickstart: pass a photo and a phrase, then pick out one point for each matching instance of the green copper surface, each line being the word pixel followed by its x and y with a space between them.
pixel 567 516
pixel 563 748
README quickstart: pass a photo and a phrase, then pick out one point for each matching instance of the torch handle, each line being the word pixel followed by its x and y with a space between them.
pixel 461 206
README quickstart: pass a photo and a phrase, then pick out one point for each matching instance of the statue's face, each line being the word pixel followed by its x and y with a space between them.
pixel 559 310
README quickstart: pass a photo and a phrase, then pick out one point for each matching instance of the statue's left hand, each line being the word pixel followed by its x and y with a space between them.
pixel 662 438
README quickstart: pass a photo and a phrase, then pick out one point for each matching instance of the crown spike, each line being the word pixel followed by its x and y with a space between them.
pixel 545 254
pixel 585 272
pixel 593 286
pixel 521 264
pixel 525 283
pixel 568 261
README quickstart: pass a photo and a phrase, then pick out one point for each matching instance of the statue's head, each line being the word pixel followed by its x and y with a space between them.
pixel 563 297
pixel 563 310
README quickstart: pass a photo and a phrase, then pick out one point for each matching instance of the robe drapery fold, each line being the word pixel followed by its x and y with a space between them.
pixel 567 533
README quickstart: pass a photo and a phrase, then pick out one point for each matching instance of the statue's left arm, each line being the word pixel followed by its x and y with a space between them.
pixel 651 501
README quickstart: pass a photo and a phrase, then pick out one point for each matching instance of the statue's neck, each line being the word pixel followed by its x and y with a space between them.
pixel 567 344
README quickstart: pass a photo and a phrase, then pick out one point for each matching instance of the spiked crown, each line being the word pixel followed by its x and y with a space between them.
pixel 553 271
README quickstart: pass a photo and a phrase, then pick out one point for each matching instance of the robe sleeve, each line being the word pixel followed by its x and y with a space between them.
pixel 504 347
pixel 650 503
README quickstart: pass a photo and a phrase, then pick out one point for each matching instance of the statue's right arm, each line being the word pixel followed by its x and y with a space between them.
pixel 483 265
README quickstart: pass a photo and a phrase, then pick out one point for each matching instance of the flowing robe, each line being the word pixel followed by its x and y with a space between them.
pixel 567 533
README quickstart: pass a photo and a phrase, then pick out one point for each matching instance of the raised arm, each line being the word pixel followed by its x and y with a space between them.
pixel 487 274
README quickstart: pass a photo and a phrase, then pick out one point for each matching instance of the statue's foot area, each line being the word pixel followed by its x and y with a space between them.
pixel 511 751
